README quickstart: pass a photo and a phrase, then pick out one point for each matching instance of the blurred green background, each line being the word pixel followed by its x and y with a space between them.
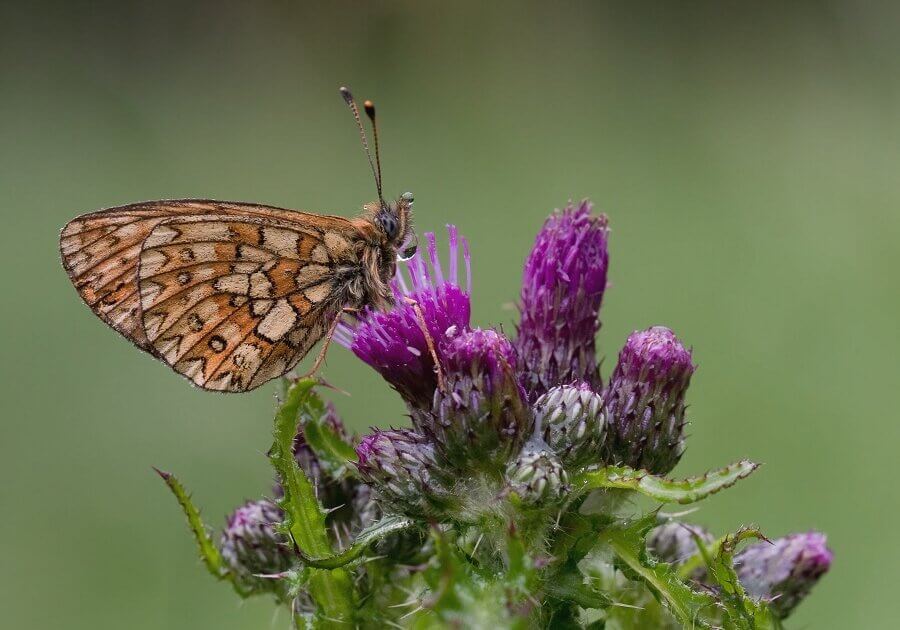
pixel 747 156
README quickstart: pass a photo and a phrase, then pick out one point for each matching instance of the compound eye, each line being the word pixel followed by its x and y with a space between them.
pixel 407 197
pixel 389 225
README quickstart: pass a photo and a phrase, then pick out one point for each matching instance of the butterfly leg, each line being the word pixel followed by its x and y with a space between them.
pixel 429 341
pixel 320 358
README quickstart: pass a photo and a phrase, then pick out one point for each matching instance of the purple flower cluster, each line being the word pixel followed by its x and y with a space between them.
pixel 527 410
pixel 475 395
pixel 501 427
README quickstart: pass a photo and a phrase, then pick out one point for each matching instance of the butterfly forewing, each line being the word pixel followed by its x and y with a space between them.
pixel 229 295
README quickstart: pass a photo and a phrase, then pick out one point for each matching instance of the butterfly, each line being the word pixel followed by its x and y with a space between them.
pixel 232 295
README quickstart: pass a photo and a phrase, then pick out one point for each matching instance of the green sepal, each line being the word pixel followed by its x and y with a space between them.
pixel 383 528
pixel 661 489
pixel 304 519
pixel 209 553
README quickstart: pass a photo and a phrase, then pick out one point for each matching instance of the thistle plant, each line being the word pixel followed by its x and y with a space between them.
pixel 507 502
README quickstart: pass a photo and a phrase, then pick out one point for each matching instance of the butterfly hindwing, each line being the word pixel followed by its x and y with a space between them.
pixel 229 295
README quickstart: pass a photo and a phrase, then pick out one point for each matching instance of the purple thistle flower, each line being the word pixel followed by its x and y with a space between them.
pixel 251 546
pixel 572 419
pixel 562 290
pixel 481 417
pixel 392 342
pixel 645 401
pixel 785 570
pixel 400 466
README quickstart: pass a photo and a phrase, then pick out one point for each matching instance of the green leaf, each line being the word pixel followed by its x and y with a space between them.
pixel 383 528
pixel 333 452
pixel 742 610
pixel 570 586
pixel 661 489
pixel 685 604
pixel 304 519
pixel 209 553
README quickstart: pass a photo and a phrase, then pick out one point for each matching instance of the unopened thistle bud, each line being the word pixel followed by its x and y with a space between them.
pixel 400 465
pixel 785 570
pixel 562 290
pixel 251 546
pixel 572 420
pixel 537 475
pixel 645 402
pixel 480 418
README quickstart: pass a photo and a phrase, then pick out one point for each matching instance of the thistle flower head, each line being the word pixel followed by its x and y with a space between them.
pixel 645 401
pixel 785 570
pixel 251 546
pixel 572 420
pixel 399 465
pixel 537 475
pixel 480 417
pixel 562 290
pixel 393 343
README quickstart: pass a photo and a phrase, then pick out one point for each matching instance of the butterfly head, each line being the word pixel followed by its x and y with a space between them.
pixel 394 222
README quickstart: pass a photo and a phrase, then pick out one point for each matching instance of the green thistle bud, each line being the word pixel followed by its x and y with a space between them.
pixel 537 475
pixel 573 421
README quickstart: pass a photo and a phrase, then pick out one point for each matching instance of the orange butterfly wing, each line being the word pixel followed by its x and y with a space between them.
pixel 230 295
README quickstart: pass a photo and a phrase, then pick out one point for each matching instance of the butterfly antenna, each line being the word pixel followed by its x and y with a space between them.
pixel 351 103
pixel 370 112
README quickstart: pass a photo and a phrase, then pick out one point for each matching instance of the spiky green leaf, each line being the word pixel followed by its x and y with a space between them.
pixel 209 553
pixel 688 606
pixel 334 453
pixel 383 528
pixel 742 611
pixel 661 489
pixel 304 519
